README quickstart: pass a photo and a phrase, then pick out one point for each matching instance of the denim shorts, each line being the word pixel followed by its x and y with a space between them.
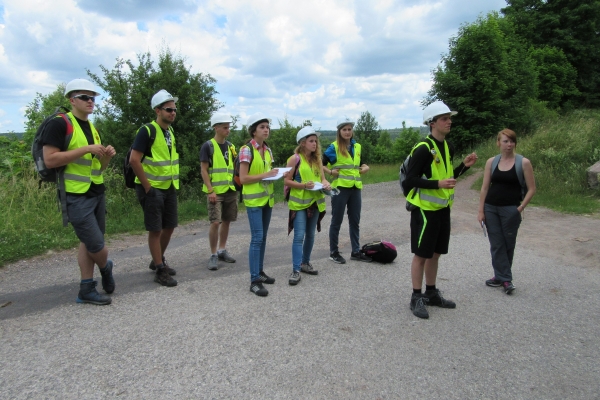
pixel 160 207
pixel 87 215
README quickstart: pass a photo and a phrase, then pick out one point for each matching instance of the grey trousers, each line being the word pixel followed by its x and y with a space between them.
pixel 502 226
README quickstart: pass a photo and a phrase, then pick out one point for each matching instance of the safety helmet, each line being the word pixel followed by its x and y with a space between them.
pixel 220 118
pixel 161 97
pixel 79 85
pixel 254 118
pixel 345 121
pixel 305 132
pixel 434 109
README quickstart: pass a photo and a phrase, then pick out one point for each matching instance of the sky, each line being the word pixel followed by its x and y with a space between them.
pixel 322 60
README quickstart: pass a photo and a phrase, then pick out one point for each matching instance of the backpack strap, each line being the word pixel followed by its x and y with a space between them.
pixel 152 132
pixel 61 188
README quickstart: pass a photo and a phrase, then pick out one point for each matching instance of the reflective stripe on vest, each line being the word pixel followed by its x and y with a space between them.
pixel 349 172
pixel 161 168
pixel 220 173
pixel 257 194
pixel 301 199
pixel 80 173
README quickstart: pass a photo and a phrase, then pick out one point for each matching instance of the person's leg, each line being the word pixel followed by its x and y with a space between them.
pixel 214 217
pixel 266 221
pixel 309 236
pixel 299 231
pixel 170 218
pixel 228 215
pixel 256 232
pixel 165 239
pixel 155 246
pixel 223 234
pixel 511 220
pixel 354 209
pixel 498 247
pixel 338 206
pixel 417 268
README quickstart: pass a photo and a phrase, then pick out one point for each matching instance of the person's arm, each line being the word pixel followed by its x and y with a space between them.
pixel 485 186
pixel 420 164
pixel 246 179
pixel 212 196
pixel 289 181
pixel 110 153
pixel 135 160
pixel 55 158
pixel 530 181
pixel 329 157
pixel 324 182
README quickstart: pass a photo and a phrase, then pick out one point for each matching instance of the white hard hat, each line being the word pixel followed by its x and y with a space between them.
pixel 345 121
pixel 434 109
pixel 162 96
pixel 220 118
pixel 78 85
pixel 305 132
pixel 254 118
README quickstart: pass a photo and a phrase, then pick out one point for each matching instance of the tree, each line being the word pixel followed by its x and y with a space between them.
pixel 488 77
pixel 283 140
pixel 41 107
pixel 367 133
pixel 130 88
pixel 572 26
pixel 556 76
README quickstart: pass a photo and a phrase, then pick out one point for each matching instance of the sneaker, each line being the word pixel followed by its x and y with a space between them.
pixel 294 278
pixel 213 263
pixel 336 257
pixel 417 305
pixel 108 282
pixel 170 270
pixel 359 256
pixel 89 294
pixel 308 269
pixel 258 289
pixel 264 278
pixel 493 282
pixel 163 277
pixel 224 256
pixel 434 298
pixel 508 287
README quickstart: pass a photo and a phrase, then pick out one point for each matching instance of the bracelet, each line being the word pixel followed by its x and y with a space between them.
pixel 210 191
pixel 304 185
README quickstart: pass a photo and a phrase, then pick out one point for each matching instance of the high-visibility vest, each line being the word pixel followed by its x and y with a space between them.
pixel 80 173
pixel 435 199
pixel 301 199
pixel 257 194
pixel 348 168
pixel 220 172
pixel 161 168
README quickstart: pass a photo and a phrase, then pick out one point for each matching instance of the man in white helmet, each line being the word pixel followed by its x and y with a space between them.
pixel 156 166
pixel 216 166
pixel 431 181
pixel 83 160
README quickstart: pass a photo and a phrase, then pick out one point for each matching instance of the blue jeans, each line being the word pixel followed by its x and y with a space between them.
pixel 350 198
pixel 304 237
pixel 502 225
pixel 259 218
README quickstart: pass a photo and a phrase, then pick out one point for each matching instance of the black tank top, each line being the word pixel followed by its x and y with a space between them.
pixel 505 189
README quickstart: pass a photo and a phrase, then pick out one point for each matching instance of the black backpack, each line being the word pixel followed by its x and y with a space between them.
pixel 404 166
pixel 381 252
pixel 128 172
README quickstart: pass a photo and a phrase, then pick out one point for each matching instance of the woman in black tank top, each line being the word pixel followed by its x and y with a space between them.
pixel 501 204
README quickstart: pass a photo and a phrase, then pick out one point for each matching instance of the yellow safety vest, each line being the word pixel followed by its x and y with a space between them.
pixel 435 199
pixel 257 194
pixel 161 168
pixel 80 173
pixel 220 173
pixel 301 199
pixel 348 167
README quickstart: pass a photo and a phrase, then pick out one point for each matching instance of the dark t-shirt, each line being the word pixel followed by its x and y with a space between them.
pixel 205 152
pixel 505 189
pixel 142 140
pixel 55 136
pixel 420 164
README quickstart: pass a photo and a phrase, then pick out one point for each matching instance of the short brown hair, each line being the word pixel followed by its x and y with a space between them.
pixel 509 134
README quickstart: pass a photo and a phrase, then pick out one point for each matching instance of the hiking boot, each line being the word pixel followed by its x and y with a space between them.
pixel 336 257
pixel 308 269
pixel 493 282
pixel 213 263
pixel 258 289
pixel 163 277
pixel 294 278
pixel 108 282
pixel 224 256
pixel 170 270
pixel 264 278
pixel 508 287
pixel 359 256
pixel 434 298
pixel 417 305
pixel 89 294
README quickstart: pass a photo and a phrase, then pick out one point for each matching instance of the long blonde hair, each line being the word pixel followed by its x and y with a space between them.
pixel 314 158
pixel 341 142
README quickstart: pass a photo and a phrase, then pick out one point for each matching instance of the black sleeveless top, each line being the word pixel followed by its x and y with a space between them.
pixel 505 189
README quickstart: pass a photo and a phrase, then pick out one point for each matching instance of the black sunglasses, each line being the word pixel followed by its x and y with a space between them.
pixel 85 97
pixel 169 109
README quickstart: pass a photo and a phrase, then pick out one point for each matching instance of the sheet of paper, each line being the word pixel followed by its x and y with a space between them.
pixel 280 172
pixel 318 186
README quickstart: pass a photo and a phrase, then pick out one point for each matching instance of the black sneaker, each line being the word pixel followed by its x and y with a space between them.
pixel 89 294
pixel 434 298
pixel 108 282
pixel 417 305
pixel 359 256
pixel 493 282
pixel 258 289
pixel 162 276
pixel 336 257
pixel 508 287
pixel 264 278
pixel 170 270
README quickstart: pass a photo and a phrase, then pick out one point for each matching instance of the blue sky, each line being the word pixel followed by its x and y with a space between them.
pixel 315 59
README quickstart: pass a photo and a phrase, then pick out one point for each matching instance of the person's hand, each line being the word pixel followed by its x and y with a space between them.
pixel 447 183
pixel 110 151
pixel 470 159
pixel 271 173
pixel 335 172
pixel 363 168
pixel 97 149
pixel 326 185
pixel 309 185
pixel 212 197
pixel 480 217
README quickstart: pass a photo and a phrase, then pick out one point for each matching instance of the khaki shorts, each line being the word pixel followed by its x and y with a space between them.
pixel 225 209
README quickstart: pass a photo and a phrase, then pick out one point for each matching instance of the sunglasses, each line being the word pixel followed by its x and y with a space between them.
pixel 169 109
pixel 85 97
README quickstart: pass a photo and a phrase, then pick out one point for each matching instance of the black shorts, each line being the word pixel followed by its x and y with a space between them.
pixel 429 232
pixel 160 207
